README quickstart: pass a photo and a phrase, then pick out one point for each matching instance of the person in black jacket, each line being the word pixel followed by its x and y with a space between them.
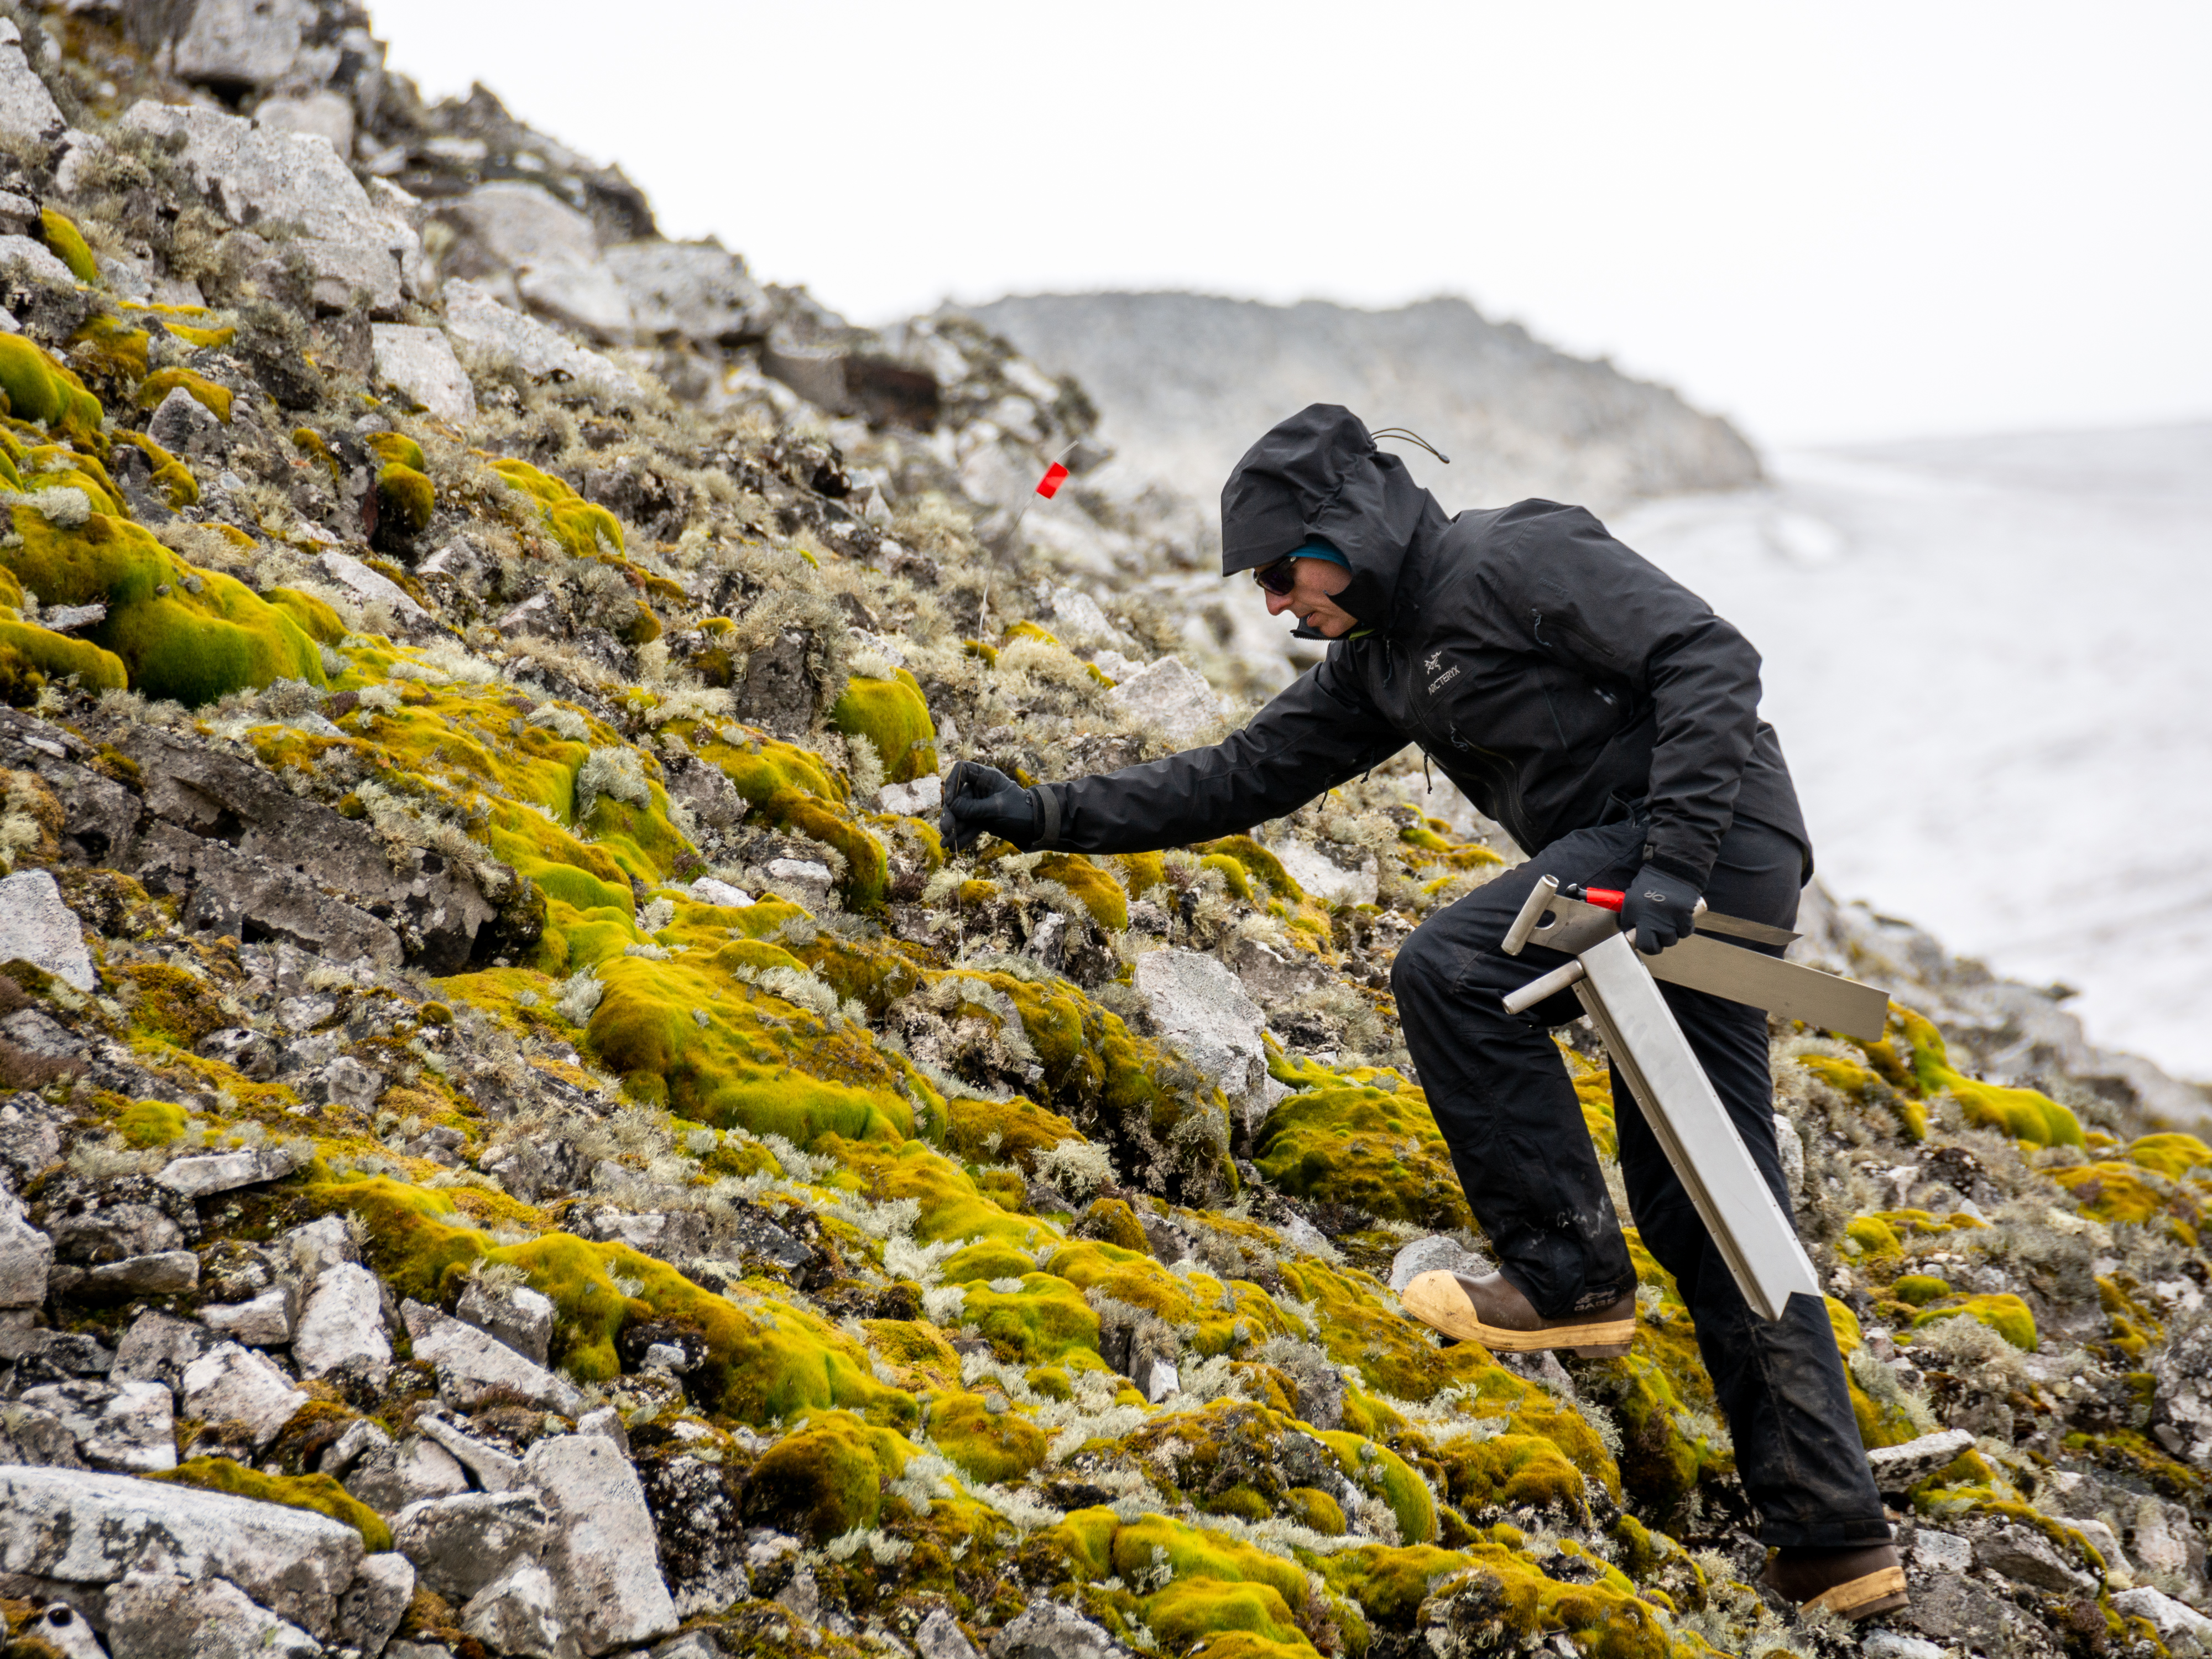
pixel 1610 721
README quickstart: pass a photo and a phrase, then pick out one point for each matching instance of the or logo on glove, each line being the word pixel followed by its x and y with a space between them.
pixel 982 800
pixel 1660 908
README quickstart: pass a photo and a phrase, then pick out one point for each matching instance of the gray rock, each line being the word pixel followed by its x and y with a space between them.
pixel 264 1322
pixel 346 1081
pixel 1173 698
pixel 66 1630
pixel 605 1554
pixel 1271 976
pixel 371 586
pixel 518 1315
pixel 314 1248
pixel 184 425
pixel 810 880
pixel 27 110
pixel 158 1348
pixel 1896 1644
pixel 472 1365
pixel 606 1422
pixel 460 1544
pixel 254 41
pixel 160 1615
pixel 2027 1557
pixel 694 290
pixel 22 256
pixel 326 115
pixel 231 1384
pixel 1049 1629
pixel 1942 1552
pixel 2172 1617
pixel 208 1173
pixel 476 320
pixel 518 1613
pixel 352 247
pixel 493 1470
pixel 221 888
pixel 26 1257
pixel 941 1638
pixel 112 1230
pixel 1435 1254
pixel 165 1272
pixel 1204 1014
pixel 361 1435
pixel 388 1478
pixel 342 1323
pixel 1321 876
pixel 419 364
pixel 36 1439
pixel 1962 1613
pixel 920 800
pixel 129 1427
pixel 1160 1381
pixel 247 1052
pixel 376 1603
pixel 36 926
pixel 546 248
pixel 30 1141
pixel 1897 1468
pixel 92 1529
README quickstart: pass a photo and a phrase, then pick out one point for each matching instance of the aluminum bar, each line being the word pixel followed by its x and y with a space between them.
pixel 1651 1055
pixel 1781 987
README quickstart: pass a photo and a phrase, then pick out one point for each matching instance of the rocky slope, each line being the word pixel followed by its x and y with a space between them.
pixel 516 1139
pixel 1184 381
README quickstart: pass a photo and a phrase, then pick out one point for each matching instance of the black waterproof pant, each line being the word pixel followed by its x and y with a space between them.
pixel 1500 1095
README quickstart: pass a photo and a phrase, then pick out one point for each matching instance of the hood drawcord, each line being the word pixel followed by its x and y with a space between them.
pixel 1411 437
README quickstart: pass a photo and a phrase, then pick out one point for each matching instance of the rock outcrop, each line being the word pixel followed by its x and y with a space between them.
pixel 515 1137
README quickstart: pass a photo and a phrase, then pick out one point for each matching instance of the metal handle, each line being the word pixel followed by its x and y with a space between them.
pixel 1551 985
pixel 1532 912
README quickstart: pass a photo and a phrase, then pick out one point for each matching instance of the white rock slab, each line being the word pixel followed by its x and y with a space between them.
pixel 518 1315
pixel 1896 1467
pixel 472 1365
pixel 419 364
pixel 36 926
pixel 250 41
pixel 26 1257
pixel 1205 1015
pixel 518 1613
pixel 376 1603
pixel 358 578
pixel 694 290
pixel 129 1427
pixel 474 317
pixel 208 1173
pixel 460 1544
pixel 1322 878
pixel 313 1249
pixel 604 1555
pixel 27 110
pixel 920 800
pixel 707 890
pixel 342 1323
pixel 87 1528
pixel 264 1322
pixel 229 1383
pixel 1173 697
pixel 2172 1617
pixel 167 1616
pixel 36 260
pixel 1435 1254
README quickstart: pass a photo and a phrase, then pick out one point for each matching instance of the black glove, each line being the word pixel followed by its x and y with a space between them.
pixel 982 800
pixel 1661 908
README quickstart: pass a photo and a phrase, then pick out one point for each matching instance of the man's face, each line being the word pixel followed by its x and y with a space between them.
pixel 1312 596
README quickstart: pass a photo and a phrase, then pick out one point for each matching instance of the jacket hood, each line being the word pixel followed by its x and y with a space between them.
pixel 1318 475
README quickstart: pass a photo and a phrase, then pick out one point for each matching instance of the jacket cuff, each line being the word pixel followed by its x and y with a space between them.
pixel 1045 802
pixel 1680 869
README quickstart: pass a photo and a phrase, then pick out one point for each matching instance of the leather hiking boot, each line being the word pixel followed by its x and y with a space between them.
pixel 1490 1311
pixel 1856 1582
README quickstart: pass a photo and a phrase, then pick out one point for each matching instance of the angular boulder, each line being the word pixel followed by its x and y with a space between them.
pixel 163 1615
pixel 231 1384
pixel 460 1544
pixel 37 926
pixel 473 1365
pixel 26 1257
pixel 129 1427
pixel 419 364
pixel 604 1554
pixel 1204 1014
pixel 92 1529
pixel 342 1323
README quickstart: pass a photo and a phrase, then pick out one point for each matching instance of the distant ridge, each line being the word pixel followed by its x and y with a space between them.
pixel 1186 381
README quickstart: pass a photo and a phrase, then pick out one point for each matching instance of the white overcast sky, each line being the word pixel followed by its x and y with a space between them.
pixel 1828 221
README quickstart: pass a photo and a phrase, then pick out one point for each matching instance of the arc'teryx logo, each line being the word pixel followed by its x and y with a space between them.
pixel 1429 666
pixel 1443 679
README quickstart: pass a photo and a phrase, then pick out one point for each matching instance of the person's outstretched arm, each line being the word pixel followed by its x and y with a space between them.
pixel 1318 732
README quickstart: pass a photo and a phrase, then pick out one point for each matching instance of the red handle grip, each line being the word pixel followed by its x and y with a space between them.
pixel 1606 898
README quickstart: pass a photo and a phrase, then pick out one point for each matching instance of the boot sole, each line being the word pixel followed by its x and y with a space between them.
pixel 1862 1598
pixel 1599 1340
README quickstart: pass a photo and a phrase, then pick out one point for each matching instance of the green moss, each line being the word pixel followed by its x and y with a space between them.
pixel 216 400
pixel 2007 1315
pixel 397 448
pixel 405 498
pixel 1378 1148
pixel 38 388
pixel 2023 1114
pixel 1511 1470
pixel 170 475
pixel 987 1445
pixel 106 345
pixel 1873 1236
pixel 319 1492
pixel 581 527
pixel 2172 1156
pixel 66 243
pixel 151 1123
pixel 1918 1289
pixel 2113 1191
pixel 1861 1084
pixel 1390 1584
pixel 316 619
pixel 1390 1477
pixel 31 651
pixel 1194 1609
pixel 825 1479
pixel 1095 888
pixel 894 718
pixel 207 634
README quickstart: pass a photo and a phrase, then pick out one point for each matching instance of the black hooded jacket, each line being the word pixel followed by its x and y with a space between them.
pixel 1559 679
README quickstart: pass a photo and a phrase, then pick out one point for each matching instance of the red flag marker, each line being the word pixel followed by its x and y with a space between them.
pixel 1054 476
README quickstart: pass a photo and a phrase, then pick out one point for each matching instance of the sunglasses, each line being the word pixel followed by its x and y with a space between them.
pixel 1280 577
